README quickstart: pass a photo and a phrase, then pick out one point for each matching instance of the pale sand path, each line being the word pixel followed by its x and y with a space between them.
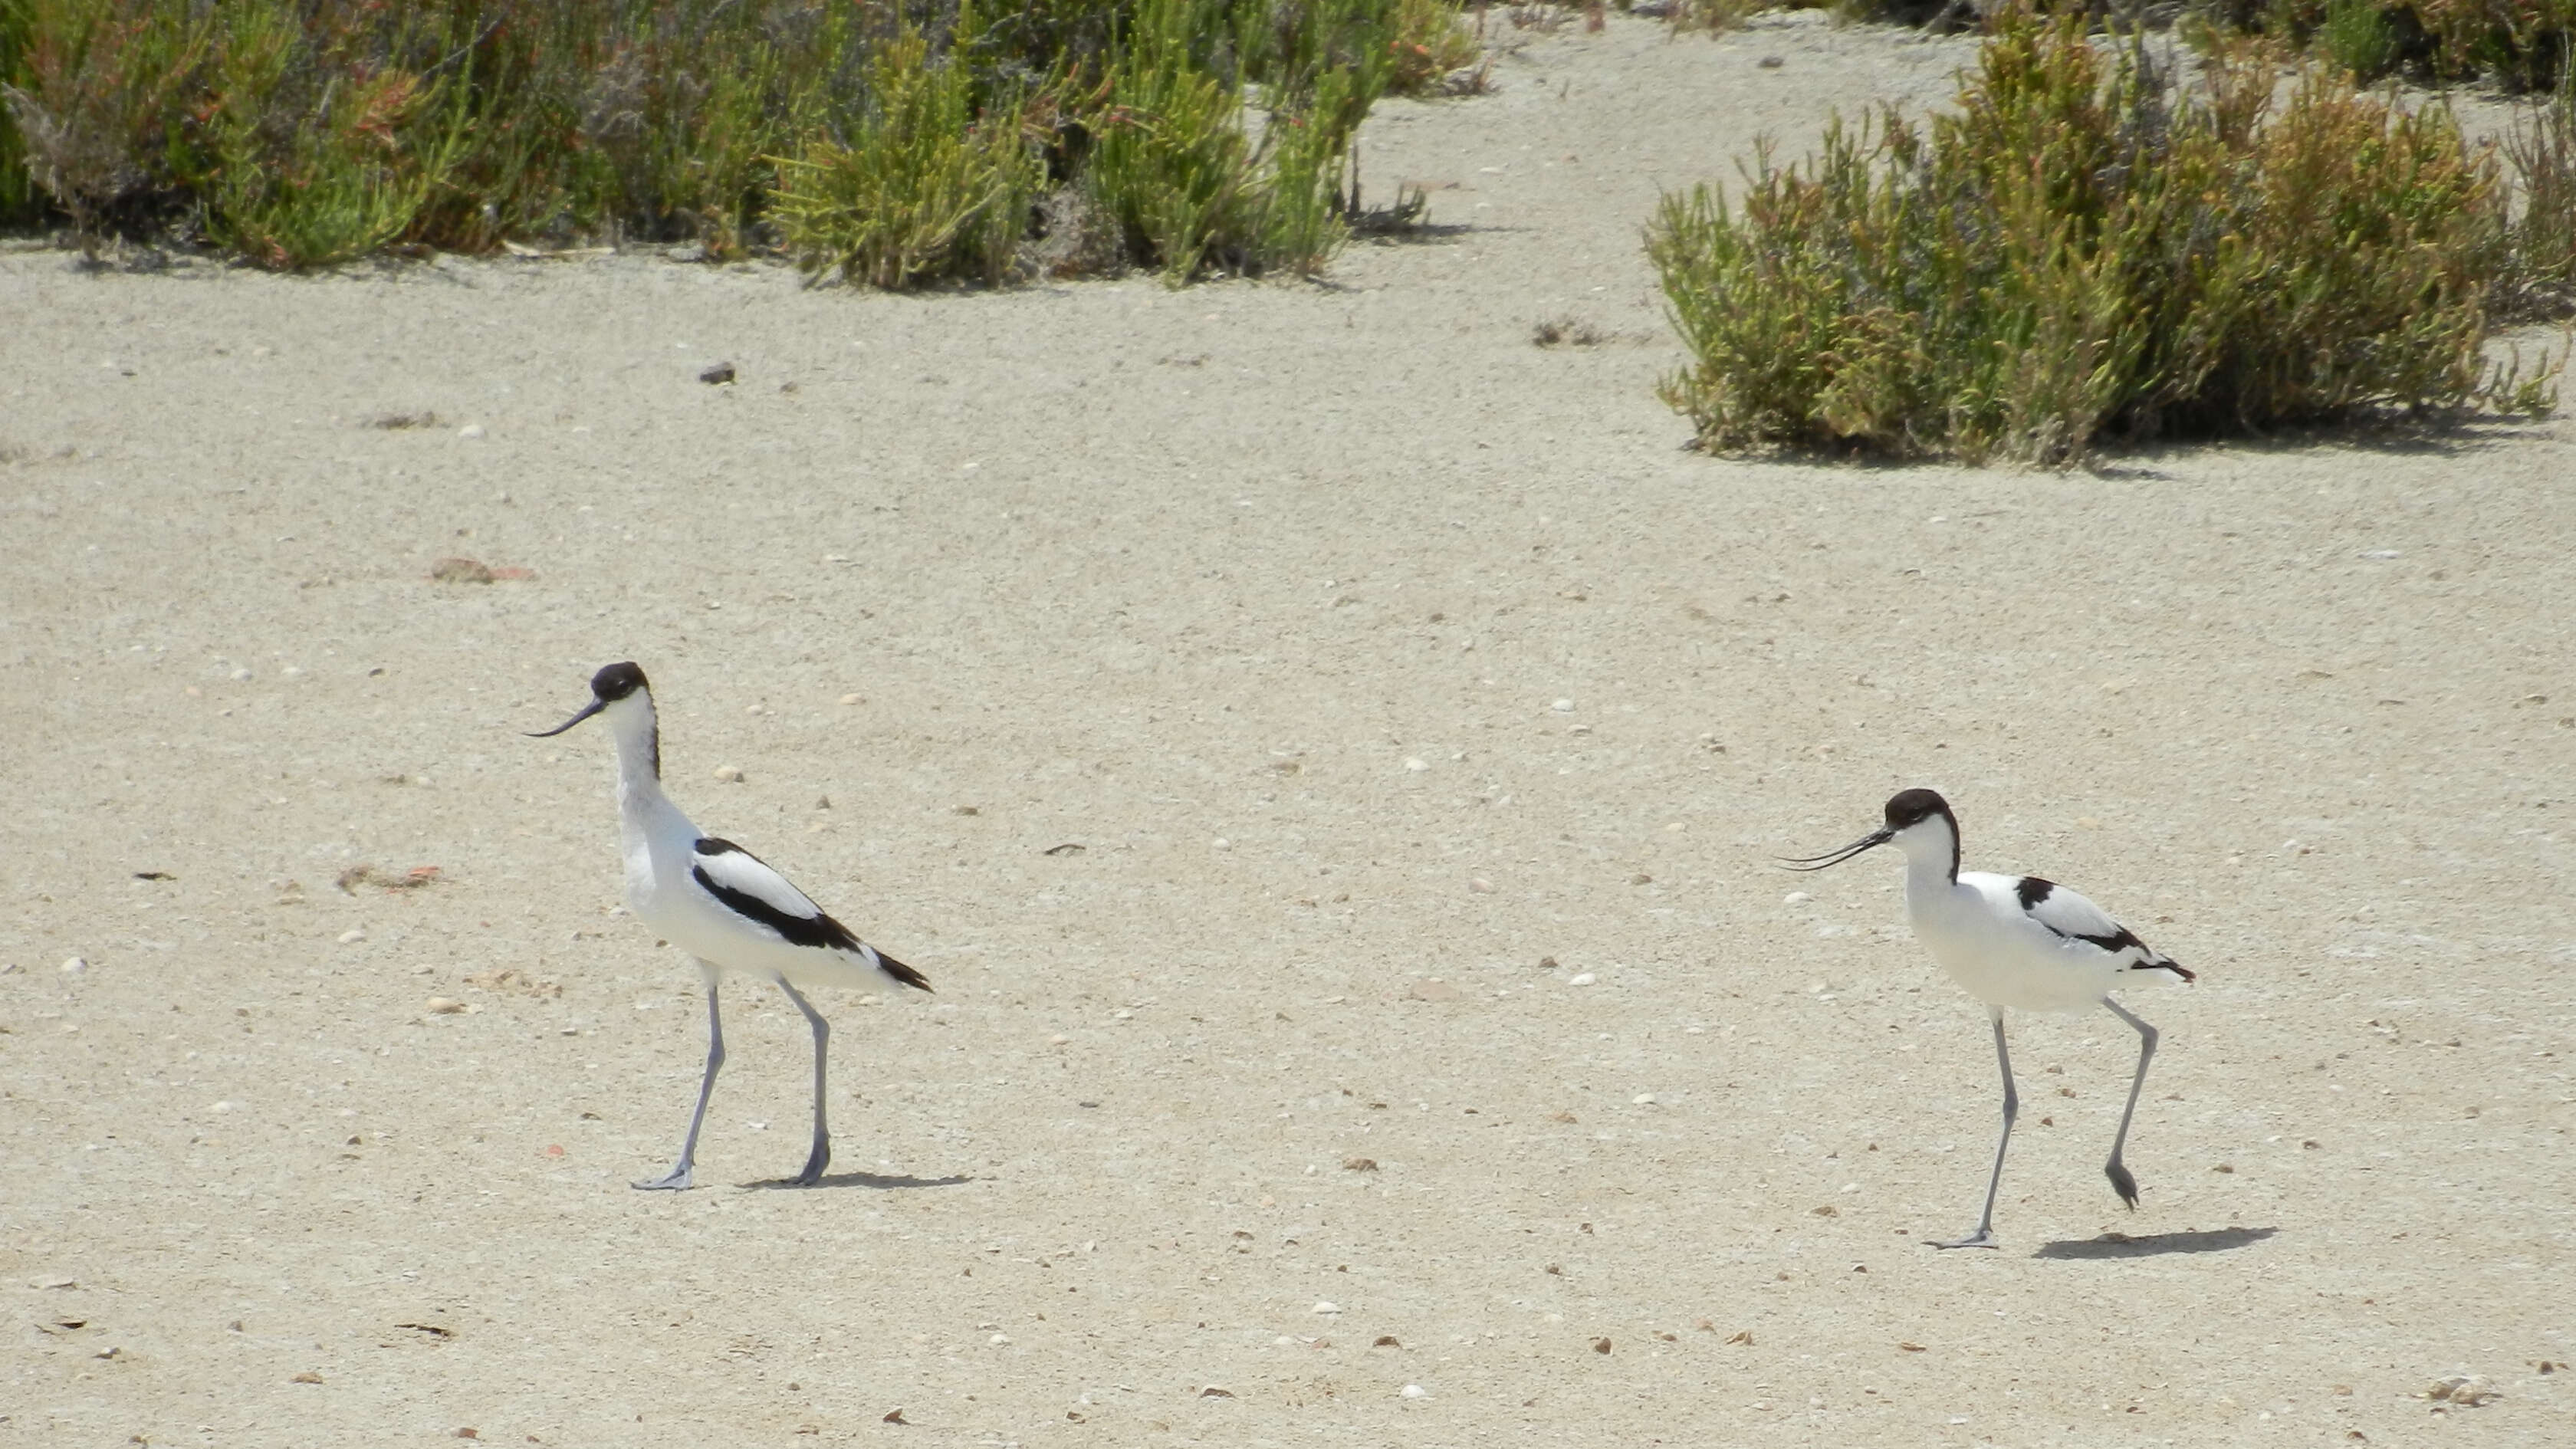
pixel 1143 571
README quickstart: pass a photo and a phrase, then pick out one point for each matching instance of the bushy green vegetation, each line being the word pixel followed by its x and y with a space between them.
pixel 890 141
pixel 2087 250
pixel 2521 44
pixel 2541 282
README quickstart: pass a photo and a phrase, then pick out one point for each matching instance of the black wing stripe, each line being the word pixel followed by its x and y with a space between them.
pixel 2115 943
pixel 815 930
pixel 818 930
pixel 2033 890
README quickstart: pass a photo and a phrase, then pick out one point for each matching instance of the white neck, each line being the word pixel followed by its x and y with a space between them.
pixel 641 805
pixel 1931 849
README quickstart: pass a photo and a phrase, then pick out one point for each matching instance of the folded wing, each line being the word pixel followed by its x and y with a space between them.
pixel 747 885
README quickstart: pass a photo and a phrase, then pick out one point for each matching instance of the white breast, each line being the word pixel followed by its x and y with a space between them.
pixel 1976 928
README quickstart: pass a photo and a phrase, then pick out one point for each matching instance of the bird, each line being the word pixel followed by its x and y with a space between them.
pixel 2014 941
pixel 724 906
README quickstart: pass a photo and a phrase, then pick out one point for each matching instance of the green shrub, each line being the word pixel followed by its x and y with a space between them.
pixel 2357 35
pixel 2085 250
pixel 337 182
pixel 2542 152
pixel 1432 41
pixel 302 132
pixel 1171 168
pixel 921 187
pixel 97 100
pixel 1174 170
pixel 19 200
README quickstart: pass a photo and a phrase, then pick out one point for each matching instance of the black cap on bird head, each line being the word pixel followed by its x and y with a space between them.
pixel 607 687
pixel 1908 808
pixel 616 681
pixel 1905 810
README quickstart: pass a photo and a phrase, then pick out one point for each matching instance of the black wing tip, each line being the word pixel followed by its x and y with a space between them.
pixel 2033 889
pixel 901 972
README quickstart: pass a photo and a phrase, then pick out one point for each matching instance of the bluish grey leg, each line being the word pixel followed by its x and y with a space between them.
pixel 679 1177
pixel 821 1156
pixel 1984 1236
pixel 2121 1182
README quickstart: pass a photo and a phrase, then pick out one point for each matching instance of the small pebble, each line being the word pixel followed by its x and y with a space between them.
pixel 75 966
pixel 2466 1390
pixel 1563 706
pixel 1581 978
pixel 470 430
pixel 241 674
pixel 221 1107
pixel 352 936
pixel 1416 764
pixel 1328 1307
pixel 999 1338
pixel 1481 886
pixel 445 1006
pixel 852 699
pixel 1221 843
pixel 1796 898
pixel 1642 1099
pixel 1416 1391
pixel 731 774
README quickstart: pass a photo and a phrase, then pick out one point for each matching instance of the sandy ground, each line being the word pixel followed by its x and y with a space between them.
pixel 1426 719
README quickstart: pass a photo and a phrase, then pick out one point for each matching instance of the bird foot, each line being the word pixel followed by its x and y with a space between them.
pixel 1981 1238
pixel 814 1166
pixel 2122 1183
pixel 678 1179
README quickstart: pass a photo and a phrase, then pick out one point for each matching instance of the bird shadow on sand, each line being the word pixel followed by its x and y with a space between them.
pixel 876 1180
pixel 2121 1245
